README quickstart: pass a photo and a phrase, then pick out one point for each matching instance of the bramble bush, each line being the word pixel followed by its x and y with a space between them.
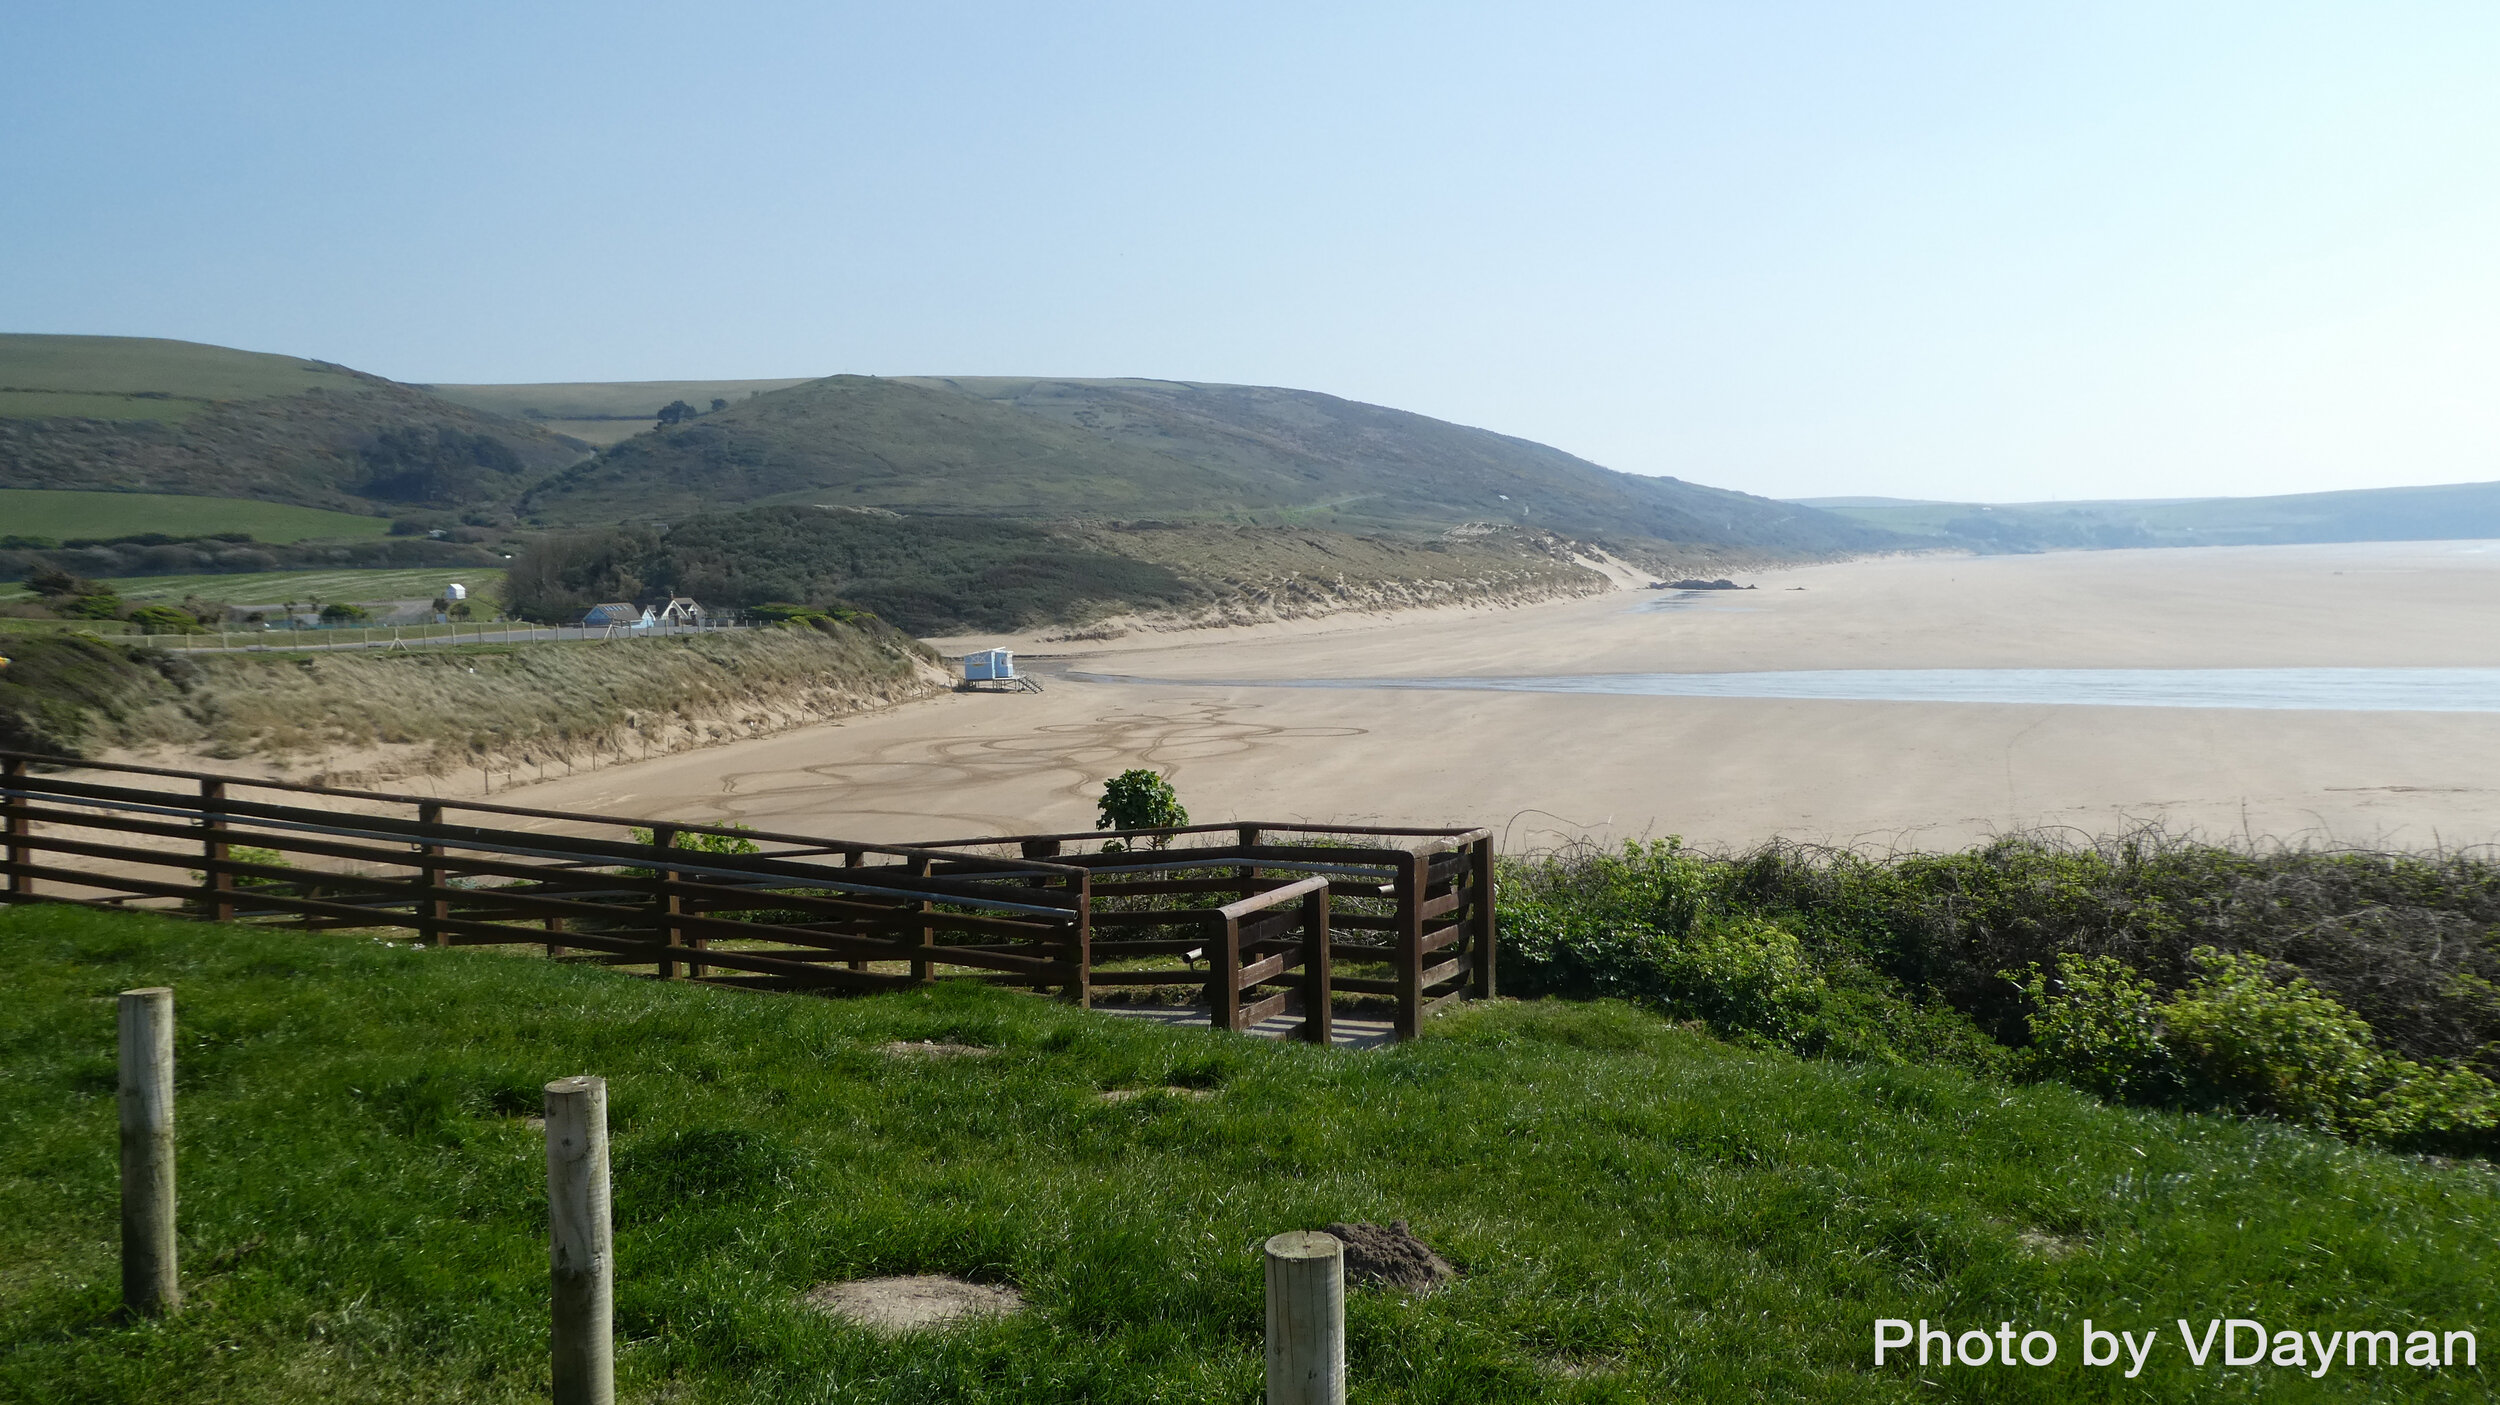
pixel 2349 992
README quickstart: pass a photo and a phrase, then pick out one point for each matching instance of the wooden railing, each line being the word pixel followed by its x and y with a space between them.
pixel 1273 912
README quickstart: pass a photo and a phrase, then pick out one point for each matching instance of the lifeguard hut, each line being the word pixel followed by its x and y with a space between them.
pixel 994 670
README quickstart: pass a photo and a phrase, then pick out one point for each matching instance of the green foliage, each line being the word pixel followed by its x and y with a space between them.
pixel 164 619
pixel 2099 1028
pixel 364 1202
pixel 340 612
pixel 928 575
pixel 1879 960
pixel 1140 799
pixel 698 842
pixel 2283 1047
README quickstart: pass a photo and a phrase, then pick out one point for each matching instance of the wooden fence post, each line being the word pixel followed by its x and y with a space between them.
pixel 1224 991
pixel 581 1248
pixel 666 905
pixel 855 858
pixel 432 906
pixel 1410 944
pixel 19 828
pixel 1081 991
pixel 1483 935
pixel 217 885
pixel 1305 1319
pixel 1318 1015
pixel 921 967
pixel 151 1281
pixel 1248 835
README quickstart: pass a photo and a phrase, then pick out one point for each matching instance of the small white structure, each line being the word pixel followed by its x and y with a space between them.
pixel 680 609
pixel 995 667
pixel 455 591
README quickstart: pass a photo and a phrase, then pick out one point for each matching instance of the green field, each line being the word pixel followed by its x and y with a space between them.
pixel 276 587
pixel 1641 1212
pixel 144 377
pixel 65 514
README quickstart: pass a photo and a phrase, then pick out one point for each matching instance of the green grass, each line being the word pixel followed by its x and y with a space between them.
pixel 66 514
pixel 145 377
pixel 277 587
pixel 599 412
pixel 1642 1213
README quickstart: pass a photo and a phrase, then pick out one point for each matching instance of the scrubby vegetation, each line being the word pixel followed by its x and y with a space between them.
pixel 2347 991
pixel 930 575
pixel 365 716
pixel 1641 1212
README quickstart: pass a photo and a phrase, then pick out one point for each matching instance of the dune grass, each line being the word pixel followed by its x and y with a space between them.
pixel 1642 1213
pixel 67 514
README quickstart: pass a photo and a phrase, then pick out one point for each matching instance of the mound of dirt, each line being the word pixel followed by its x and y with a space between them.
pixel 1391 1255
pixel 913 1303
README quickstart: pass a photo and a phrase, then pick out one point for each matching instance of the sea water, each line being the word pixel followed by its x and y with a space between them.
pixel 2298 689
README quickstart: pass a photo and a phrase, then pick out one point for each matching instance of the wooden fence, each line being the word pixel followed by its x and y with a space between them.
pixel 1261 917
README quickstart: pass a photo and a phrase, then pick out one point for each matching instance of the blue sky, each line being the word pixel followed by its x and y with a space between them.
pixel 2003 252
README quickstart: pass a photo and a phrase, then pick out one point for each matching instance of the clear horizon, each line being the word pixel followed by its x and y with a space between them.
pixel 1803 250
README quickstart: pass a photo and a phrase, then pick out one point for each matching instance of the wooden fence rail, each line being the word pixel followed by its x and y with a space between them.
pixel 1272 911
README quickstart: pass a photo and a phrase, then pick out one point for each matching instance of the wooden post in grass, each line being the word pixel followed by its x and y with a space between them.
pixel 1305 1319
pixel 581 1257
pixel 218 885
pixel 922 967
pixel 151 1283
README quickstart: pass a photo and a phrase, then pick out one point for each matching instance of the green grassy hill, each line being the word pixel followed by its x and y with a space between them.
pixel 2445 512
pixel 1641 1212
pixel 600 413
pixel 1151 449
pixel 135 414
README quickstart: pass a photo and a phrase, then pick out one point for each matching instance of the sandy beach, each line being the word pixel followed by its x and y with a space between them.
pixel 1544 768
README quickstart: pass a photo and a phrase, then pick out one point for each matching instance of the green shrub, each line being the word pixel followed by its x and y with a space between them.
pixel 2099 1027
pixel 1140 799
pixel 2285 1047
pixel 163 619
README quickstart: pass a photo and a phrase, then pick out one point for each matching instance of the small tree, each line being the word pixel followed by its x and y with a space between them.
pixel 1141 799
pixel 719 404
pixel 676 412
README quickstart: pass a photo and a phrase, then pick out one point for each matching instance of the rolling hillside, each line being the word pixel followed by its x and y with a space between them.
pixel 2445 512
pixel 136 414
pixel 1153 450
pixel 600 413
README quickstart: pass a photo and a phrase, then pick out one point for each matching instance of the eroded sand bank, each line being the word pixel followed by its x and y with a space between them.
pixel 1544 767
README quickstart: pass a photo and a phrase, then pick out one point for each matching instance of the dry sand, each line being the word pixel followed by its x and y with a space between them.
pixel 1542 768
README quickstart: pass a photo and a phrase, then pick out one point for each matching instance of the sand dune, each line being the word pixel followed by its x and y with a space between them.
pixel 1544 768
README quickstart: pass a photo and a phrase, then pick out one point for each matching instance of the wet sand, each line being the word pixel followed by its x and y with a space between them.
pixel 1544 768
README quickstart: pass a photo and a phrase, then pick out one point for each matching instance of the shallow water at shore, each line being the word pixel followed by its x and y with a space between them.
pixel 2291 689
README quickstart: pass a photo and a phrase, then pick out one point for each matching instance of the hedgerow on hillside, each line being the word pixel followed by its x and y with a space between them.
pixel 2349 991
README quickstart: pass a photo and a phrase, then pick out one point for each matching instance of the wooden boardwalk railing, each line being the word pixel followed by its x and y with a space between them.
pixel 1264 915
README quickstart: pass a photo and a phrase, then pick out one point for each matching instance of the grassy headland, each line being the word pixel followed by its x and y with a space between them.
pixel 135 414
pixel 1641 1212
pixel 361 718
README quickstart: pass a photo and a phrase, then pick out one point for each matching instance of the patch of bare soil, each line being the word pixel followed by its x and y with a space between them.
pixel 1121 1095
pixel 934 1049
pixel 1392 1255
pixel 913 1303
